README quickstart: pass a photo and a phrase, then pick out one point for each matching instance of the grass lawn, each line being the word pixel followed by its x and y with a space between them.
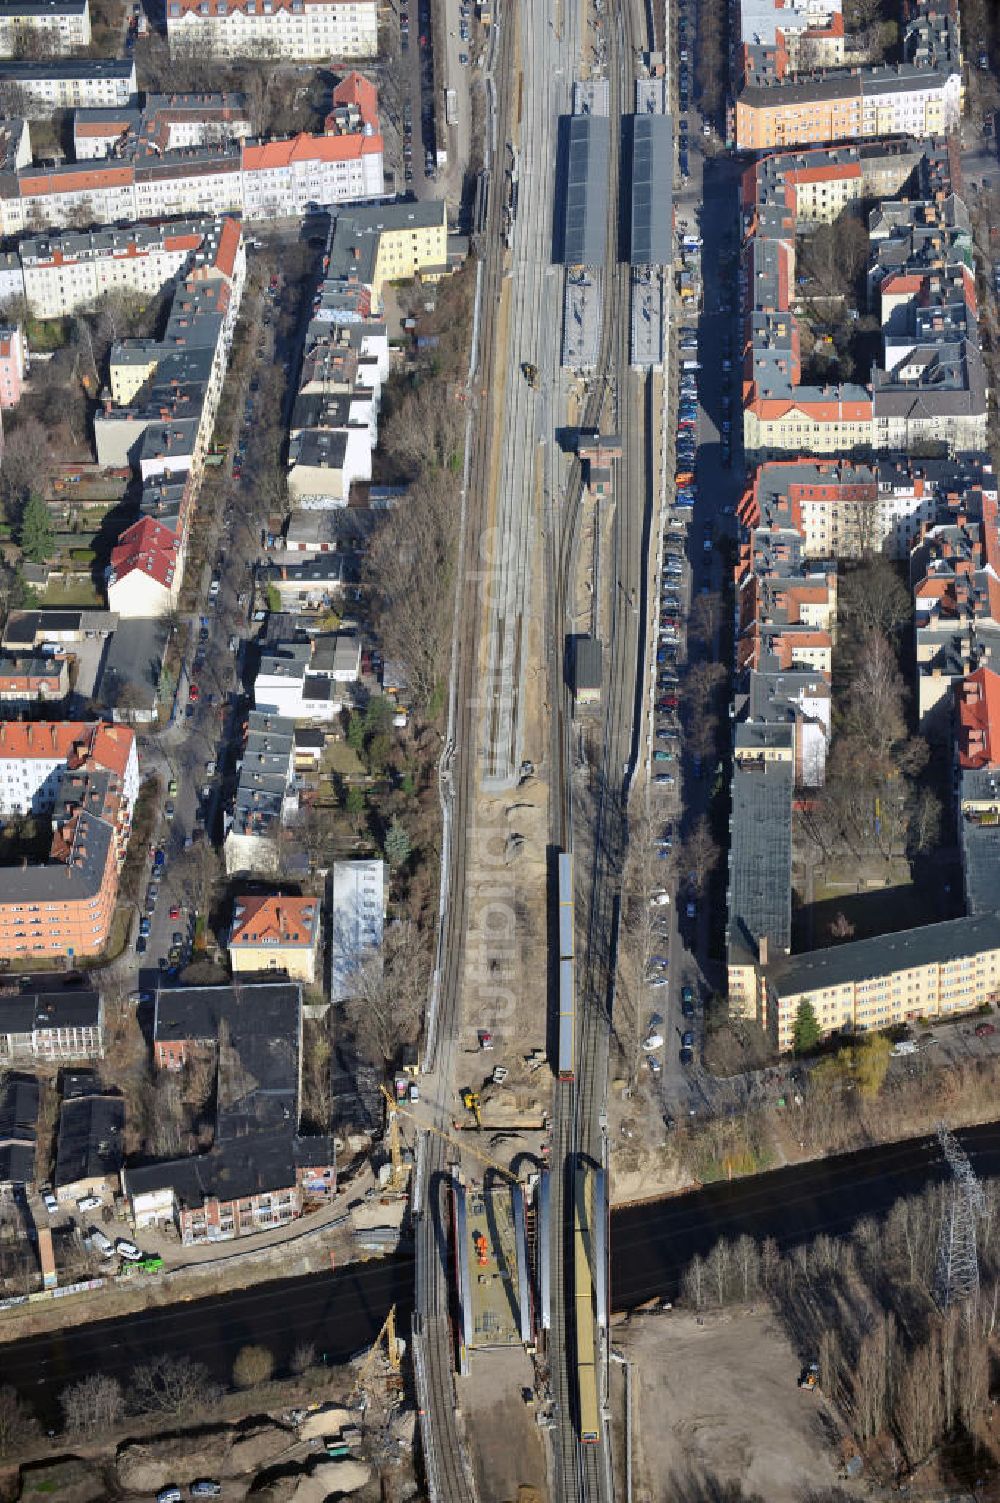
pixel 928 897
pixel 83 596
pixel 340 758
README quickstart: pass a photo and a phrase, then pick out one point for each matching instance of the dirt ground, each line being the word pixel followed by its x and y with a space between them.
pixel 508 1453
pixel 716 1401
pixel 642 1161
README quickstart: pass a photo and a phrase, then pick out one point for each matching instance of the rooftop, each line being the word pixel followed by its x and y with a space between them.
pixel 865 959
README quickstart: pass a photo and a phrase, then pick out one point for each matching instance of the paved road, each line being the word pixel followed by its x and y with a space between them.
pixel 199 750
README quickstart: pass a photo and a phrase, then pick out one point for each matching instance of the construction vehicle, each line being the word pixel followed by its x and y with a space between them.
pixel 530 373
pixel 397 1180
pixel 387 1347
pixel 479 1242
pixel 809 1376
pixel 446 1137
pixel 470 1100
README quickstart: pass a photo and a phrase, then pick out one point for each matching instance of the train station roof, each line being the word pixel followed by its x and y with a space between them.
pixel 650 207
pixel 585 196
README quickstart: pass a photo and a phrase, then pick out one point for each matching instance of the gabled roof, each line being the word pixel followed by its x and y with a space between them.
pixel 275 920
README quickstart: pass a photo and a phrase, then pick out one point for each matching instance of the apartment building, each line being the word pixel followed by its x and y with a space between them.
pixel 976 720
pixel 357 921
pixel 843 510
pixel 956 594
pixel 266 800
pixel 392 242
pixel 159 416
pixel 792 89
pixel 35 89
pixel 85 777
pixel 276 933
pixel 188 156
pixel 308 680
pixel 58 1025
pixel 59 25
pixel 68 271
pixel 937 971
pixel 165 122
pixel 260 1172
pixel 932 384
pixel 13 364
pixel 759 886
pixel 304 30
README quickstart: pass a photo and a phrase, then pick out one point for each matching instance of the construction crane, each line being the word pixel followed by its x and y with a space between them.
pixel 464 1146
pixel 399 1174
pixel 386 1338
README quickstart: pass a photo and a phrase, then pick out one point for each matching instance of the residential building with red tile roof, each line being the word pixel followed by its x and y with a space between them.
pixel 145 577
pixel 85 777
pixel 276 933
pixel 165 160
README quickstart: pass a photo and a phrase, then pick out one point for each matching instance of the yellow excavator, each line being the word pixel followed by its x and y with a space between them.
pixel 471 1102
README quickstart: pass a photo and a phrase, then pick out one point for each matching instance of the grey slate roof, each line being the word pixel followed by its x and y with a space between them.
pixel 586 156
pixel 651 202
pixel 91 1132
pixel 862 959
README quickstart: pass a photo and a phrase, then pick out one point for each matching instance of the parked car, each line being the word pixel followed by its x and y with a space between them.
pixel 88 1203
pixel 206 1487
pixel 100 1242
pixel 48 1200
pixel 128 1250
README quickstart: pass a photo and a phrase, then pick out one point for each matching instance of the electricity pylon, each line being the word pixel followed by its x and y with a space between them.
pixel 957 1274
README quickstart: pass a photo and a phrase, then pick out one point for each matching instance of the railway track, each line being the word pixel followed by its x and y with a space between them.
pixel 583 1473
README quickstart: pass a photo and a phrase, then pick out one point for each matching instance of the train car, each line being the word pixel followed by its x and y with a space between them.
pixel 588 1412
pixel 567 1021
pixel 566 946
pixel 567 983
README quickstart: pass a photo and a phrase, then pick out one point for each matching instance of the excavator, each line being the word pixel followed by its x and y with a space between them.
pixel 471 1102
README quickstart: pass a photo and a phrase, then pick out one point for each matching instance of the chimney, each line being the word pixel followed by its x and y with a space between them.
pixel 762 950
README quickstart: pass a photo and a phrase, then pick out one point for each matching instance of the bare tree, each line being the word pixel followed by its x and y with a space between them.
pixel 302 1358
pixel 172 1385
pixel 873 598
pixel 746 1254
pixel 409 570
pixel 872 1378
pixel 18 1422
pixel 390 991
pixel 27 463
pixel 918 1411
pixel 699 856
pixel 253 1365
pixel 96 1403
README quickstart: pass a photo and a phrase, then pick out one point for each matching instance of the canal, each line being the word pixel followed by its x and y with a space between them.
pixel 341 1312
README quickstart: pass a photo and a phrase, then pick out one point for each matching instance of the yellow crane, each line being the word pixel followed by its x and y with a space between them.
pixel 462 1145
pixel 386 1339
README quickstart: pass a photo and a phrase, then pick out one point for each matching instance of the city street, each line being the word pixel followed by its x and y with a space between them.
pixel 706 206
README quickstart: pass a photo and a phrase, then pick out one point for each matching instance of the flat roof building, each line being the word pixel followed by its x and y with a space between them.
pixel 585 150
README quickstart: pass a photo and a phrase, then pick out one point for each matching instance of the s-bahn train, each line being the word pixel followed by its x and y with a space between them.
pixel 588 1414
pixel 567 963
